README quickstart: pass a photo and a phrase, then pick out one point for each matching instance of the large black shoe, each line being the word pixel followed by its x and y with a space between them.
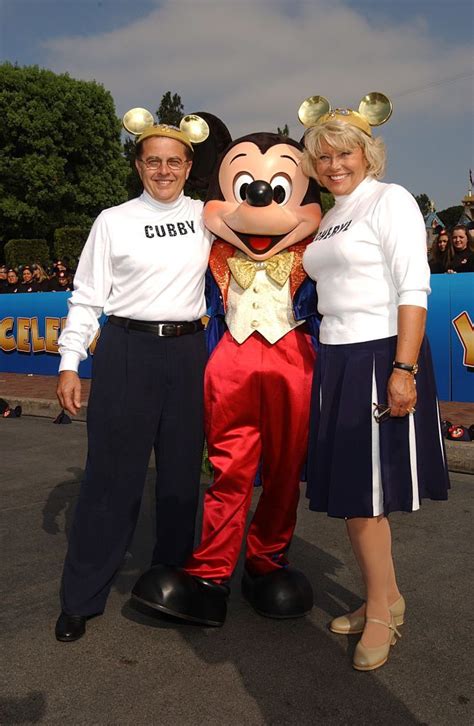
pixel 282 593
pixel 70 627
pixel 173 591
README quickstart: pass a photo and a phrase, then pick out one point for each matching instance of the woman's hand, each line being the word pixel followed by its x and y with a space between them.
pixel 401 388
pixel 401 393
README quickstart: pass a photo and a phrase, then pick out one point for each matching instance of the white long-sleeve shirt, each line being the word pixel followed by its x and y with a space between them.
pixel 143 260
pixel 368 257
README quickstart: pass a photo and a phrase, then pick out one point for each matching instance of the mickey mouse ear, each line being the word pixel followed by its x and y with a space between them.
pixel 376 108
pixel 137 120
pixel 312 109
pixel 206 155
pixel 195 128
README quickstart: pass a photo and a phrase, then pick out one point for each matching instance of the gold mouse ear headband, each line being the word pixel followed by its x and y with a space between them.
pixel 140 122
pixel 374 110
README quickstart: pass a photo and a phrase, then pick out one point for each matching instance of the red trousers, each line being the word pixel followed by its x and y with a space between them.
pixel 257 411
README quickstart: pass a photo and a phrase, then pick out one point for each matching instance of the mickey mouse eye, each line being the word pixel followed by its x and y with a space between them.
pixel 241 183
pixel 282 188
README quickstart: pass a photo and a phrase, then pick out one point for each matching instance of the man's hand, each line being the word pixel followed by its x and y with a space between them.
pixel 68 391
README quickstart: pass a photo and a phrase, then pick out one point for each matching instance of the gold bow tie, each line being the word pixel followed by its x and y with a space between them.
pixel 278 268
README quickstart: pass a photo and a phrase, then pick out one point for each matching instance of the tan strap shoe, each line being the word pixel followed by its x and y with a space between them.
pixel 351 624
pixel 368 659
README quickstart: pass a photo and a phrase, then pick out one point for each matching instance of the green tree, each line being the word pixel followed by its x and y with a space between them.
pixel 61 158
pixel 171 109
pixel 451 216
pixel 424 203
pixel 285 131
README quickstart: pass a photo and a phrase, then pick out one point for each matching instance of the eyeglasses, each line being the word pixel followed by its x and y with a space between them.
pixel 381 412
pixel 175 164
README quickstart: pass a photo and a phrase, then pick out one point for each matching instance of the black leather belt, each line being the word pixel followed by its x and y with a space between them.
pixel 165 330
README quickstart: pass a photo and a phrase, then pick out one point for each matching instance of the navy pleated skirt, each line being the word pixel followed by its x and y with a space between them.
pixel 356 466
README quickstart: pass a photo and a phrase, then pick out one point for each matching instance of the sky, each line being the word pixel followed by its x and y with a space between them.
pixel 253 62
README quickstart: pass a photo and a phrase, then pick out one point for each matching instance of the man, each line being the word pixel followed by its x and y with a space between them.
pixel 143 265
pixel 13 284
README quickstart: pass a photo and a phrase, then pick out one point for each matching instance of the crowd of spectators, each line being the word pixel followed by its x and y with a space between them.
pixel 34 278
pixel 453 251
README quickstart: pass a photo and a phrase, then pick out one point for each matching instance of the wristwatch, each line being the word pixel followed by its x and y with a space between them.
pixel 410 368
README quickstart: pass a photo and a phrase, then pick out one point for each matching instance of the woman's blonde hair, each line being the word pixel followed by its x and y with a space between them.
pixel 343 136
pixel 42 276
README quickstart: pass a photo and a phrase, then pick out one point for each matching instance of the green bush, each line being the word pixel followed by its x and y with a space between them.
pixel 26 251
pixel 68 243
pixel 327 201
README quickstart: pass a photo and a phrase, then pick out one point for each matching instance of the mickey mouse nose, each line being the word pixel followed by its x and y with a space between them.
pixel 259 194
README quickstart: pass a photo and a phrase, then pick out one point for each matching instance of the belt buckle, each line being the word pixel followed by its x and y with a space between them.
pixel 168 330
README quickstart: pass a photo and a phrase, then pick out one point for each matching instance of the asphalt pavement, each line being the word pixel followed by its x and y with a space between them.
pixel 134 668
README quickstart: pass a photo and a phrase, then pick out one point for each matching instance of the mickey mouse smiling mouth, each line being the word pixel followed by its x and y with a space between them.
pixel 258 243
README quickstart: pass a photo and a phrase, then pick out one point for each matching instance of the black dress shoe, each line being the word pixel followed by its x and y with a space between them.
pixel 70 627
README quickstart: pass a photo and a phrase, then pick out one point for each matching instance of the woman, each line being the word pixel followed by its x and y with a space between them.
pixel 463 257
pixel 28 283
pixel 370 453
pixel 441 253
pixel 40 277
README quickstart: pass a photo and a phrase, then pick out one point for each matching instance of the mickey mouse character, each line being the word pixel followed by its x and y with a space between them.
pixel 263 211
